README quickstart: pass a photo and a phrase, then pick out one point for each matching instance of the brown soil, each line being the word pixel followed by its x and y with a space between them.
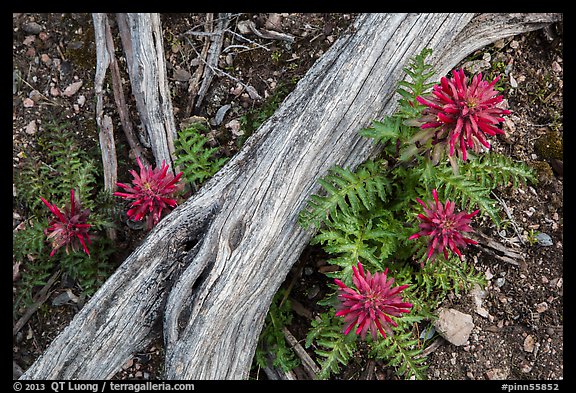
pixel 522 335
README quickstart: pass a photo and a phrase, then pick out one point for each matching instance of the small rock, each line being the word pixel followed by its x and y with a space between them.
pixel 54 91
pixel 72 89
pixel 454 326
pixel 81 100
pixel 35 95
pixel 529 343
pixel 234 126
pixel 236 91
pixel 31 128
pixel 28 102
pixel 273 22
pixel 497 374
pixel 46 59
pixel 182 75
pixel 556 67
pixel 500 281
pixel 513 82
pixel 220 113
pixel 128 364
pixel 478 296
pixel 32 28
pixel 253 93
pixel 65 298
pixel 244 27
pixel 541 307
pixel 544 239
pixel 427 334
pixel 525 368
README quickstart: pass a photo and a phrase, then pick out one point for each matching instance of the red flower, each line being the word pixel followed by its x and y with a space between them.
pixel 443 227
pixel 68 228
pixel 152 191
pixel 463 114
pixel 371 304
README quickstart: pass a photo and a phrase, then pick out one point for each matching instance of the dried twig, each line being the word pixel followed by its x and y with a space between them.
pixel 308 364
pixel 247 40
pixel 195 81
pixel 251 91
pixel 212 58
pixel 509 214
pixel 39 299
pixel 498 250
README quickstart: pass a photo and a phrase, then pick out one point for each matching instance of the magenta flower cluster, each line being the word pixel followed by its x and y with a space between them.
pixel 69 227
pixel 371 304
pixel 463 114
pixel 153 192
pixel 443 227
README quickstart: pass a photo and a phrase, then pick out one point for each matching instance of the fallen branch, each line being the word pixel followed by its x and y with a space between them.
pixel 498 250
pixel 308 364
pixel 216 41
pixel 39 300
pixel 195 81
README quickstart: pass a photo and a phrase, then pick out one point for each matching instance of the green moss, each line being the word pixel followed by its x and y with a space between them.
pixel 82 52
pixel 543 171
pixel 549 146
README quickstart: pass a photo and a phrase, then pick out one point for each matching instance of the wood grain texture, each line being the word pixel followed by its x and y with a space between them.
pixel 207 272
pixel 143 45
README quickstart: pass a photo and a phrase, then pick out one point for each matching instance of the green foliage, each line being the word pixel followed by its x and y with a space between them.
pixel 64 166
pixel 30 250
pixel 418 72
pixel 272 338
pixel 481 170
pixel 368 215
pixel 90 271
pixel 402 351
pixel 347 192
pixel 59 165
pixel 333 348
pixel 196 160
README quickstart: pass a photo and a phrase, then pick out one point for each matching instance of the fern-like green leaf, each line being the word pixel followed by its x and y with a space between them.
pixel 465 192
pixel 419 72
pixel 272 340
pixel 195 159
pixel 333 348
pixel 401 350
pixel 346 191
pixel 387 130
pixel 492 170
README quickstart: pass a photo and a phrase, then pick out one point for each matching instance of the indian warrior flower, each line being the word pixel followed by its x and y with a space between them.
pixel 461 114
pixel 68 227
pixel 443 227
pixel 371 304
pixel 153 193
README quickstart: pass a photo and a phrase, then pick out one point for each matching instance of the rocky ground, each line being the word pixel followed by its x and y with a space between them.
pixel 516 321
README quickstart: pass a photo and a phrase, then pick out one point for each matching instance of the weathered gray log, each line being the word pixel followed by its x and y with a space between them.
pixel 141 35
pixel 106 58
pixel 207 272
